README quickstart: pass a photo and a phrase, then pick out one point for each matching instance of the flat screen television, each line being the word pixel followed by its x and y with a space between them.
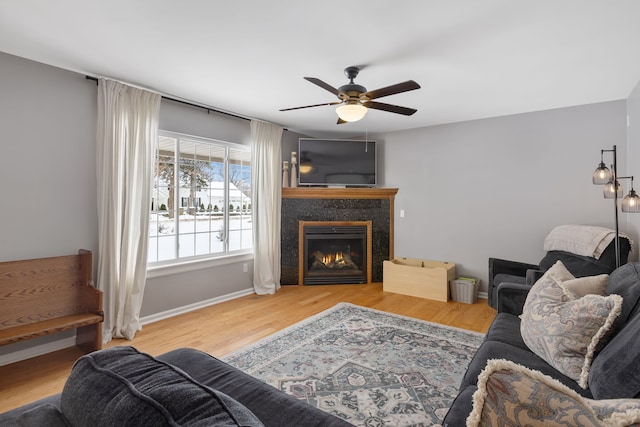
pixel 337 163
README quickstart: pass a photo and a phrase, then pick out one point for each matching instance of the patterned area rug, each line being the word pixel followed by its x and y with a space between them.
pixel 365 366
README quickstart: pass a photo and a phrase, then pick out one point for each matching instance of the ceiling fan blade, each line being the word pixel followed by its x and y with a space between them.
pixel 390 108
pixel 392 90
pixel 309 106
pixel 326 86
pixel 340 121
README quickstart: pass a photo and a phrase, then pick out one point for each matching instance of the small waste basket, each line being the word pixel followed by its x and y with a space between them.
pixel 465 289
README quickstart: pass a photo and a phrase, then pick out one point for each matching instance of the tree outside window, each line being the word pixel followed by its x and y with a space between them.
pixel 210 176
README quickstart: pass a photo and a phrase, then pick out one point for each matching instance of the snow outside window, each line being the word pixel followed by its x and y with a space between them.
pixel 201 199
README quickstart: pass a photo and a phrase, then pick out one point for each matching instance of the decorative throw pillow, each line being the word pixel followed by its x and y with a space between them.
pixel 509 394
pixel 563 327
pixel 576 288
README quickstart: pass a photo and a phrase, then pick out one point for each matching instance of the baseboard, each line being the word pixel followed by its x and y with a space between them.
pixel 39 350
pixel 195 306
pixel 483 295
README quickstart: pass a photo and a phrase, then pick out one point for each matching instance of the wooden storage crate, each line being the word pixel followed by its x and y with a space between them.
pixel 418 278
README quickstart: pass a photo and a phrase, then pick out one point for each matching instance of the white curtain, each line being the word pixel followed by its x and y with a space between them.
pixel 126 143
pixel 266 176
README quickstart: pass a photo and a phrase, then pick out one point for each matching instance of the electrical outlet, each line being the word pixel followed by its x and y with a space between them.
pixel 245 268
pixel 401 213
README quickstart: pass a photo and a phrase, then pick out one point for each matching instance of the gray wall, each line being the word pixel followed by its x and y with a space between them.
pixel 496 187
pixel 633 157
pixel 48 181
pixel 165 292
pixel 290 144
pixel 47 166
pixel 467 189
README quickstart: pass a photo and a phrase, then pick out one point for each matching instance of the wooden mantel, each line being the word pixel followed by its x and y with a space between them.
pixel 339 193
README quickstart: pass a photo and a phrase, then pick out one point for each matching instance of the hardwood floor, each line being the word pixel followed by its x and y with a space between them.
pixel 226 327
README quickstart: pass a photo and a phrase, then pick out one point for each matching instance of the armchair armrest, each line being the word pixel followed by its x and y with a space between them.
pixel 503 266
pixel 533 276
pixel 502 270
pixel 511 297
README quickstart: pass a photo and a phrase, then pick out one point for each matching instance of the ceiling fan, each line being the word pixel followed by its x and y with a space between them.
pixel 355 99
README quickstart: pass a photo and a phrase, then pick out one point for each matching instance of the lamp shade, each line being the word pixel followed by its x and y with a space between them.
pixel 602 175
pixel 631 202
pixel 351 112
pixel 609 190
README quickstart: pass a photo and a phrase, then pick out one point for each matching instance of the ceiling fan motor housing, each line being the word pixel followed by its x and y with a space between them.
pixel 352 90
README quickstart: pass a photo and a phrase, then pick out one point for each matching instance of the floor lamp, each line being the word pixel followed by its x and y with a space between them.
pixel 613 190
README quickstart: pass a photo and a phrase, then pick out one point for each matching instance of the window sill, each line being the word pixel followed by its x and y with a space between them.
pixel 197 264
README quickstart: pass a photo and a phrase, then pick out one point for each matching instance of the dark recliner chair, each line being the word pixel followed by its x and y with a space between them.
pixel 511 280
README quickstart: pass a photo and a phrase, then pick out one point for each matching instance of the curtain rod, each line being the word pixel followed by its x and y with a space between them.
pixel 191 104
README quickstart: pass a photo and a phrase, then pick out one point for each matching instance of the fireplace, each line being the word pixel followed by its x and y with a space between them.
pixel 334 252
pixel 335 204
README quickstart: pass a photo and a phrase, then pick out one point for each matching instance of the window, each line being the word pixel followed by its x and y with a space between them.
pixel 201 199
pixel 186 201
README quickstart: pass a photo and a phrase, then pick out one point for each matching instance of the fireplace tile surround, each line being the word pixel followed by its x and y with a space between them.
pixel 336 204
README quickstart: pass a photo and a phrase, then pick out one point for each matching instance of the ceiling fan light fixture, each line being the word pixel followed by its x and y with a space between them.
pixel 351 112
pixel 305 168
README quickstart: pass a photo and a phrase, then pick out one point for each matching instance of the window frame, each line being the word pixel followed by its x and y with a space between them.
pixel 189 263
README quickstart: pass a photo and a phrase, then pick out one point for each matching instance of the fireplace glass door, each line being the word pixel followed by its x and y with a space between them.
pixel 335 255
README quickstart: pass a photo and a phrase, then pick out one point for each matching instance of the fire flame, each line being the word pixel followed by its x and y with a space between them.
pixel 333 258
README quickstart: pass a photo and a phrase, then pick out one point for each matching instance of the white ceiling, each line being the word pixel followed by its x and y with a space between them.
pixel 473 58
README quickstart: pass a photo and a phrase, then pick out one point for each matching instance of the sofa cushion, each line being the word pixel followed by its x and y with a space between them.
pixel 510 394
pixel 499 350
pixel 264 400
pixel 506 328
pixel 614 372
pixel 460 408
pixel 120 386
pixel 625 281
pixel 43 415
pixel 578 265
pixel 565 328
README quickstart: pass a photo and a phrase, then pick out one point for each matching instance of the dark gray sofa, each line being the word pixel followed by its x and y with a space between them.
pixel 120 386
pixel 614 373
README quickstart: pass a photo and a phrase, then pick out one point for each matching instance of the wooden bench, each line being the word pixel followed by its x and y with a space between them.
pixel 48 295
